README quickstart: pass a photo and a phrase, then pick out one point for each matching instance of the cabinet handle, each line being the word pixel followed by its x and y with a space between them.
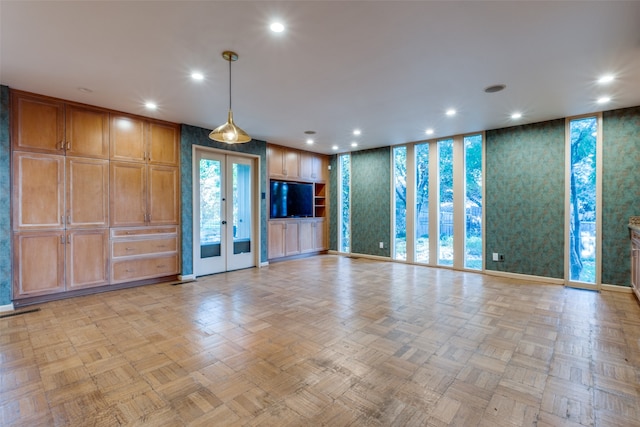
pixel 68 219
pixel 68 238
pixel 130 271
pixel 61 145
pixel 161 246
pixel 161 266
pixel 68 145
pixel 128 249
pixel 129 232
pixel 62 219
pixel 62 240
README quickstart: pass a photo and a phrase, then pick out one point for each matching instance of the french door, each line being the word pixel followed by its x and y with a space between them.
pixel 224 237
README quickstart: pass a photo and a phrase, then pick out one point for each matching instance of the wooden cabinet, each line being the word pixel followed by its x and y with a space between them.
pixel 136 140
pixel 143 194
pixel 37 123
pixel 48 262
pixel 38 191
pixel 313 166
pixel 312 235
pixel 87 192
pixel 296 236
pixel 284 238
pixel 78 170
pixel 143 253
pixel 47 125
pixel 38 263
pixel 283 162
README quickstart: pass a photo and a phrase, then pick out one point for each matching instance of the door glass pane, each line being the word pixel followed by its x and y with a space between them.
pixel 473 202
pixel 445 206
pixel 344 217
pixel 210 207
pixel 422 203
pixel 241 208
pixel 400 183
pixel 582 227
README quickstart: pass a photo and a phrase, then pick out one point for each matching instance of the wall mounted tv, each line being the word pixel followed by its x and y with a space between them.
pixel 291 199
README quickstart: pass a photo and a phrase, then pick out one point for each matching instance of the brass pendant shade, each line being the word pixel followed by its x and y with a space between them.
pixel 229 133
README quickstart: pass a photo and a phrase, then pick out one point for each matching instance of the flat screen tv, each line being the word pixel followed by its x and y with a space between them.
pixel 291 199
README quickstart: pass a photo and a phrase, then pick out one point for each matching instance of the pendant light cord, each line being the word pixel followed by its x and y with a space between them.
pixel 229 83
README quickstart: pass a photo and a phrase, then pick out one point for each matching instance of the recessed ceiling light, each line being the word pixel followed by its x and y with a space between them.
pixel 451 112
pixel 354 144
pixel 197 76
pixel 429 131
pixel 607 78
pixel 334 148
pixel 516 115
pixel 495 88
pixel 357 132
pixel 277 27
pixel 309 141
pixel 151 105
pixel 85 90
pixel 603 100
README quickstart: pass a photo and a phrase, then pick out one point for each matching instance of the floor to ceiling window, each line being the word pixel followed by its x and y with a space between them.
pixel 422 202
pixel 445 202
pixel 344 203
pixel 583 182
pixel 473 202
pixel 400 197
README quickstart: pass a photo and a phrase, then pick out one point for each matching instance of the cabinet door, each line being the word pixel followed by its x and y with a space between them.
pixel 291 238
pixel 87 132
pixel 164 144
pixel 87 258
pixel 38 263
pixel 306 165
pixel 127 188
pixel 292 164
pixel 307 235
pixel 127 138
pixel 276 239
pixel 38 123
pixel 321 169
pixel 38 191
pixel 87 192
pixel 320 240
pixel 275 160
pixel 163 195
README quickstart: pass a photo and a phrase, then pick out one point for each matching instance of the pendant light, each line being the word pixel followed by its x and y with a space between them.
pixel 229 133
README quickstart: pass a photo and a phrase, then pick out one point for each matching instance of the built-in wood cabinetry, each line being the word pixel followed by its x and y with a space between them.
pixel 79 174
pixel 295 236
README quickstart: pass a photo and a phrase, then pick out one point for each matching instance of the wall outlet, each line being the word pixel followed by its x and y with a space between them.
pixel 381 245
pixel 497 257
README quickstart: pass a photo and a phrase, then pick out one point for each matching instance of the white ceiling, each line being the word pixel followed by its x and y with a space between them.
pixel 389 68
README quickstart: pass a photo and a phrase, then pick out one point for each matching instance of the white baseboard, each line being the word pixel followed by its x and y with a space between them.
pixel 550 280
pixel 8 307
pixel 264 264
pixel 187 278
pixel 367 256
pixel 617 288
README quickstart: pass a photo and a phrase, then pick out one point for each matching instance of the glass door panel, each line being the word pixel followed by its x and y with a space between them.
pixel 445 208
pixel 209 256
pixel 240 214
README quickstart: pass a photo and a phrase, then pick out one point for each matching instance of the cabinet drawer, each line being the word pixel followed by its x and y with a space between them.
pixel 130 270
pixel 146 231
pixel 142 247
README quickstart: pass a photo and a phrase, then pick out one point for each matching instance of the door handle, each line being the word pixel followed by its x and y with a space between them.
pixel 224 222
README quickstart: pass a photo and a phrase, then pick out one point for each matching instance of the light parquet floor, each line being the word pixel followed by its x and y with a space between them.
pixel 327 341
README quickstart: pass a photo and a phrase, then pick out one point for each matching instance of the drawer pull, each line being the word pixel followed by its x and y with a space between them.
pixel 129 232
pixel 161 246
pixel 128 249
pixel 130 271
pixel 161 266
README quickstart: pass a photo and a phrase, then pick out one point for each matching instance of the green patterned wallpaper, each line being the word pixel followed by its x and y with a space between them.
pixel 620 190
pixel 524 199
pixel 190 136
pixel 371 201
pixel 5 199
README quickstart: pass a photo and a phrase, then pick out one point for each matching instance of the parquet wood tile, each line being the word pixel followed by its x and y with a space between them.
pixel 326 341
